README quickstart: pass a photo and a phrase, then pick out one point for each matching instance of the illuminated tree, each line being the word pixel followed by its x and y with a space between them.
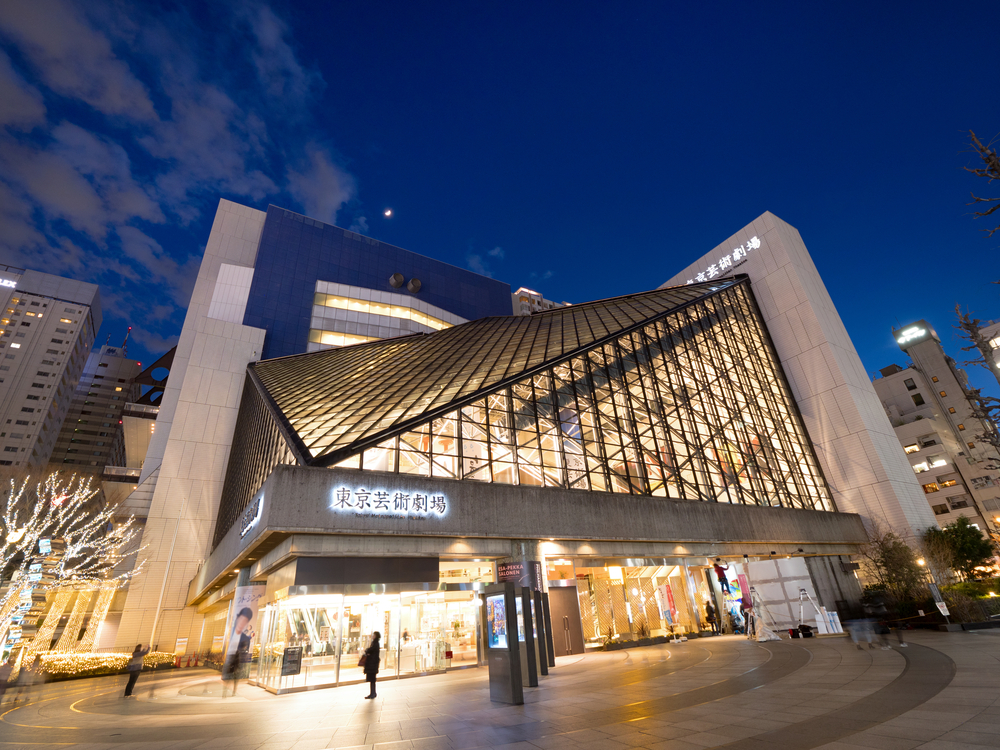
pixel 87 540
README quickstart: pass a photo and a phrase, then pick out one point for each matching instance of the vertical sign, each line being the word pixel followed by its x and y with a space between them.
pixel 241 627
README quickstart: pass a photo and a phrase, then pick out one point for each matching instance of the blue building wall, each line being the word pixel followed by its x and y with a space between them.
pixel 295 252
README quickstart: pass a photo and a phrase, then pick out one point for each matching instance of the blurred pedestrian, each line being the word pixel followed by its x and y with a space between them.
pixel 711 618
pixel 134 668
pixel 5 670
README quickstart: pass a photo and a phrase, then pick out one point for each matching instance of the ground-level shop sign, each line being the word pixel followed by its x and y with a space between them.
pixel 291 661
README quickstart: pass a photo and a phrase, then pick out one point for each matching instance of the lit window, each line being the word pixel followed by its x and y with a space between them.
pixel 971 445
pixel 943 394
pixel 938 461
pixel 951 409
pixel 333 338
pixel 931 487
pixel 118 388
pixel 380 308
pixel 995 343
pixel 948 482
pixel 65 320
pixel 911 448
pixel 934 378
pixel 920 467
pixel 15 346
pixel 30 314
pixel 961 427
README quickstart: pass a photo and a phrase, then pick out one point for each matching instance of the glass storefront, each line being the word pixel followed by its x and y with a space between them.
pixel 423 631
pixel 627 602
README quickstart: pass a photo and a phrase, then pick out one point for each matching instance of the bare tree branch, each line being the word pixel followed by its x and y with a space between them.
pixel 991 171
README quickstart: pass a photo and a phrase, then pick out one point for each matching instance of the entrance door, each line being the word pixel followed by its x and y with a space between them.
pixel 567 629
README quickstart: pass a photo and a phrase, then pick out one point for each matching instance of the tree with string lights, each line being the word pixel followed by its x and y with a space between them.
pixel 93 543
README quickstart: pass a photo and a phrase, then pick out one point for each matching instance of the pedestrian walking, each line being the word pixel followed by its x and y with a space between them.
pixel 711 618
pixel 237 662
pixel 369 662
pixel 5 669
pixel 134 668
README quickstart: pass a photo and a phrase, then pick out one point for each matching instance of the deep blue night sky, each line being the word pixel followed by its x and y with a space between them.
pixel 583 150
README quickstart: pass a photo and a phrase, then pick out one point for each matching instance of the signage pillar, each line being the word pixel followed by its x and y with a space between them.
pixel 526 637
pixel 547 619
pixel 541 632
pixel 503 649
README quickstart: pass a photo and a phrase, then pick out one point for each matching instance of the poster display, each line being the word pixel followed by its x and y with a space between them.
pixel 240 627
pixel 520 619
pixel 496 621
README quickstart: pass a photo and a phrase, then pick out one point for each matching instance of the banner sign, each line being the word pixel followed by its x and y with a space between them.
pixel 518 573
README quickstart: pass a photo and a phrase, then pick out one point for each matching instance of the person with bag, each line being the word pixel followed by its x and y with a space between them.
pixel 369 661
pixel 134 668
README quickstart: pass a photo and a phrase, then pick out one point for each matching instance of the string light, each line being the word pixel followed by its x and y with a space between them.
pixel 92 545
pixel 65 663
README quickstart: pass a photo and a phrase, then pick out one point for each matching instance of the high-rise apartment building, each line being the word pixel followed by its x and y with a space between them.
pixel 927 405
pixel 90 431
pixel 48 325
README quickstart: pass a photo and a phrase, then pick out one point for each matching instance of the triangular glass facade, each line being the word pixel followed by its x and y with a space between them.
pixel 672 393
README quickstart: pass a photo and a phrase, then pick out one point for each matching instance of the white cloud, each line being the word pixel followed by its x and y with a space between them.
pixel 320 184
pixel 21 105
pixel 496 252
pixel 74 59
pixel 474 262
pixel 359 225
pixel 86 194
pixel 277 66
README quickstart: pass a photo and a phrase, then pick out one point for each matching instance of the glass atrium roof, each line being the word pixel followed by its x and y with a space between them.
pixel 335 402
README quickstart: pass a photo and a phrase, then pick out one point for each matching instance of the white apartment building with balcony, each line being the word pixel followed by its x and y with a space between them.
pixel 927 407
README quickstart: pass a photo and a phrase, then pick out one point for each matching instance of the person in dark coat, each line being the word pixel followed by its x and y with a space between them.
pixel 134 668
pixel 372 661
pixel 710 618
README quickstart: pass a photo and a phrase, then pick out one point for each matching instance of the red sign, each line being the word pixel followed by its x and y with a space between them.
pixel 448 654
pixel 744 586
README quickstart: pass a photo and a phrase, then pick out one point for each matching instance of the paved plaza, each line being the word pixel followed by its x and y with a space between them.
pixel 940 693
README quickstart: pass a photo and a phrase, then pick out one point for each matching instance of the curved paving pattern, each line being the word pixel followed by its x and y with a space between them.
pixel 939 694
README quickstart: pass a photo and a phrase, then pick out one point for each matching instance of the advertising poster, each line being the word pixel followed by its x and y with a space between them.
pixel 667 608
pixel 520 619
pixel 529 576
pixel 241 627
pixel 496 621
